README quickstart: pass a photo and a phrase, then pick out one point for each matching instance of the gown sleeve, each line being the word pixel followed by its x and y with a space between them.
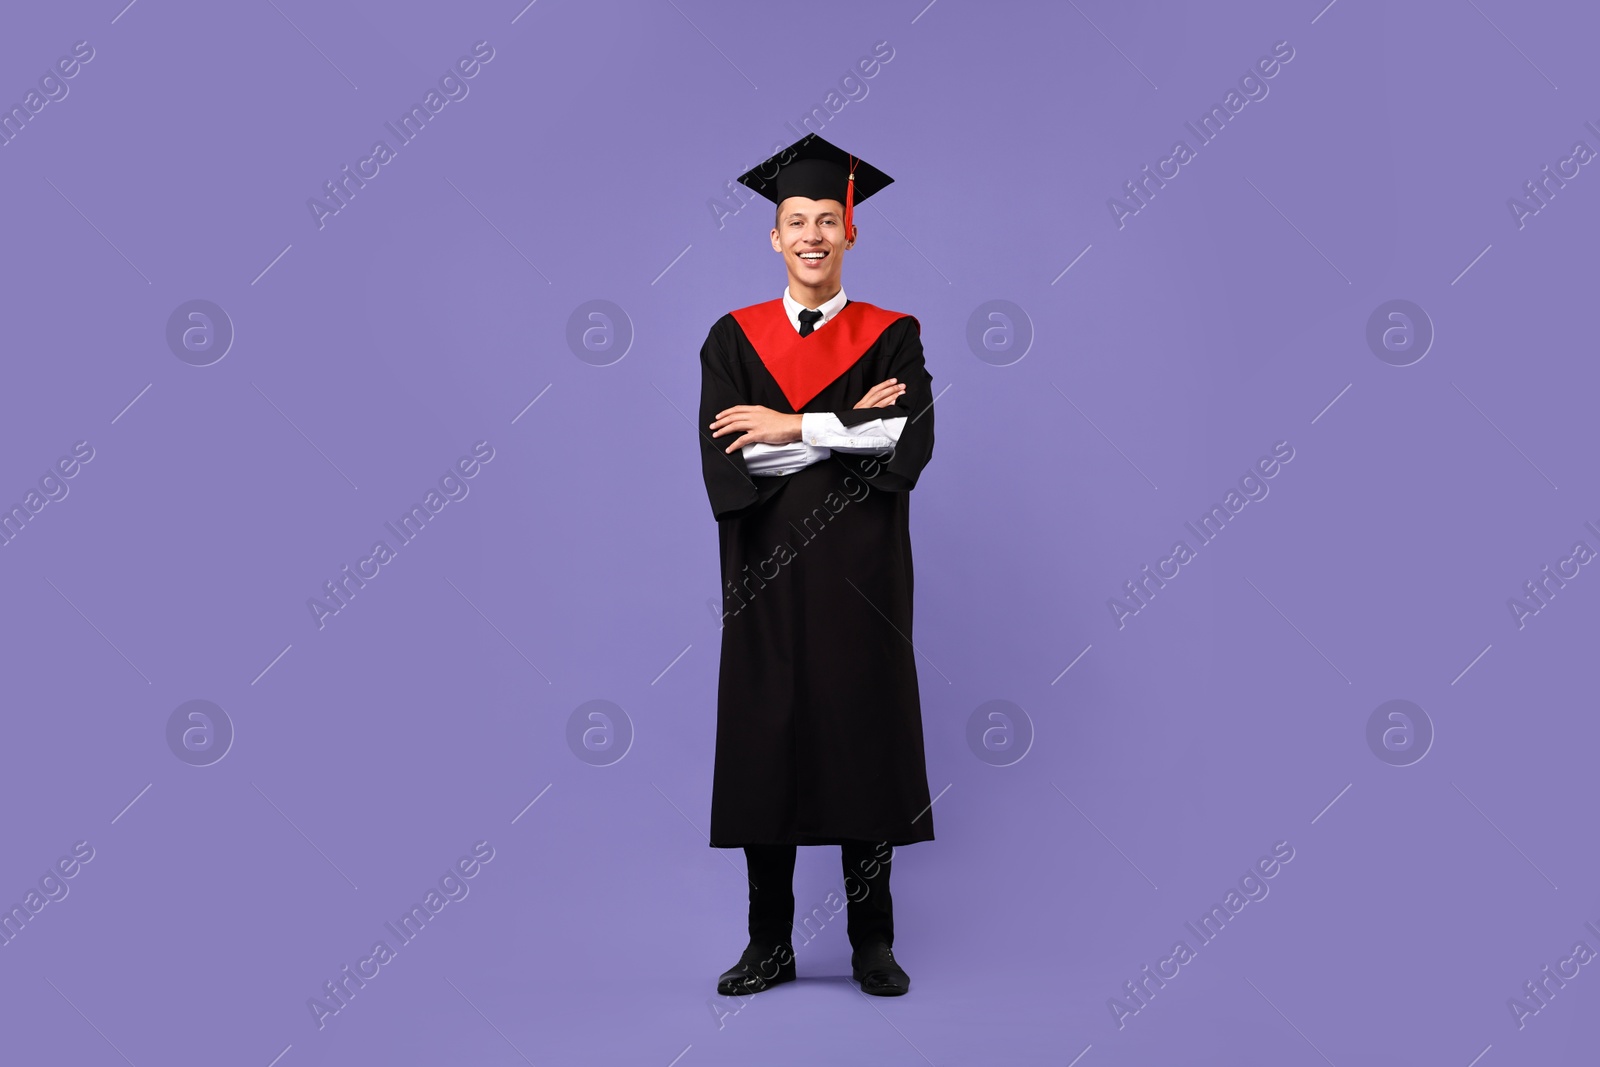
pixel 897 470
pixel 727 478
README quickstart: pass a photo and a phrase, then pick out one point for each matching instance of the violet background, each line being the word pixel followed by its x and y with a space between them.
pixel 1227 315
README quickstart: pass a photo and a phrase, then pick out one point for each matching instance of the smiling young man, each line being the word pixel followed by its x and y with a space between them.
pixel 817 419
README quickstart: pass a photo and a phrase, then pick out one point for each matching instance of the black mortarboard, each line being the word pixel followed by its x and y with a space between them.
pixel 817 170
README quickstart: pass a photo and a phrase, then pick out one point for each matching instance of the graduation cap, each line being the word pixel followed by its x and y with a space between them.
pixel 817 170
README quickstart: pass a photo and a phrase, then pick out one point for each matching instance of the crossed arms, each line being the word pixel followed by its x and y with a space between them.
pixel 775 443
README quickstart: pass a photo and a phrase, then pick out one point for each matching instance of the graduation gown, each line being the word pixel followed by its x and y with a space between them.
pixel 819 719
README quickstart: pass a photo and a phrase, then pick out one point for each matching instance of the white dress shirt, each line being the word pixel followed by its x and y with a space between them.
pixel 821 432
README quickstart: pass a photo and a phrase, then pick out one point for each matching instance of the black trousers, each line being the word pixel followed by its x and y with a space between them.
pixel 869 906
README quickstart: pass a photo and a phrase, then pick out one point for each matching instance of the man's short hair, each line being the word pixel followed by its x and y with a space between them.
pixel 777 216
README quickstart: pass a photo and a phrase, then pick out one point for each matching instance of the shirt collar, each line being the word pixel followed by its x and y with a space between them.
pixel 829 308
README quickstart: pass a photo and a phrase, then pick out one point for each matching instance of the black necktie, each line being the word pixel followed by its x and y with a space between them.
pixel 808 321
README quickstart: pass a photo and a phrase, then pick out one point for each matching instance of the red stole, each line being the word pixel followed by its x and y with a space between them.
pixel 804 366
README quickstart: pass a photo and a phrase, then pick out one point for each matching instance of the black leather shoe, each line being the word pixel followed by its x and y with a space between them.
pixel 760 967
pixel 875 968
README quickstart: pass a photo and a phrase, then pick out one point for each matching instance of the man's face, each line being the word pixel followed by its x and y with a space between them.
pixel 810 234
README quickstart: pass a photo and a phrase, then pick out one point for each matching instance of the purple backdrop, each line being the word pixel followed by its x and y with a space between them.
pixel 1351 721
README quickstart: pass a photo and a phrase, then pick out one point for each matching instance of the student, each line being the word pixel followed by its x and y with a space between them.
pixel 817 416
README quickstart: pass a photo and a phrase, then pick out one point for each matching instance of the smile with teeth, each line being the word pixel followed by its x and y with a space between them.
pixel 813 257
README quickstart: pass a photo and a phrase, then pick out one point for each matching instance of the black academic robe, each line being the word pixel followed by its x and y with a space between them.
pixel 819 719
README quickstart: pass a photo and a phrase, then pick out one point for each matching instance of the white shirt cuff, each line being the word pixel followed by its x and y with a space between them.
pixel 764 459
pixel 823 429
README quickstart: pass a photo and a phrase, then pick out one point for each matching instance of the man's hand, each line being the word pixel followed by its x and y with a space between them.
pixel 758 424
pixel 882 395
pixel 762 424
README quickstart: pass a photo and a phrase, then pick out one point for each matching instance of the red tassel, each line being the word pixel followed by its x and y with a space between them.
pixel 850 202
